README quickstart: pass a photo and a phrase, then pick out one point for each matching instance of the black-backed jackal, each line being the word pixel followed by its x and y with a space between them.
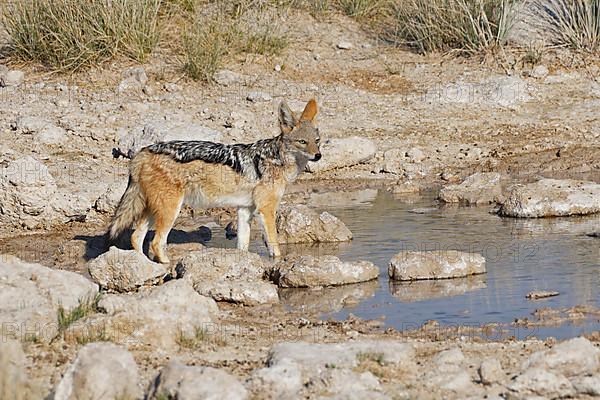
pixel 251 177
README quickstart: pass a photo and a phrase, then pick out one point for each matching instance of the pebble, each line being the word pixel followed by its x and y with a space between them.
pixel 256 97
pixel 344 45
pixel 541 294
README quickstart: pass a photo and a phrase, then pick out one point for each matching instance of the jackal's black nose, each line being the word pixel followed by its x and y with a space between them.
pixel 317 157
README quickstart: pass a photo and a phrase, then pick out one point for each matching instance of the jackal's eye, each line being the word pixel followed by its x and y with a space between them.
pixel 317 140
pixel 302 141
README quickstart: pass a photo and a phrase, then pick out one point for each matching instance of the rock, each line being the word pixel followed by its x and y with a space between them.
pixel 102 371
pixel 344 152
pixel 25 187
pixel 570 358
pixel 52 135
pixel 540 382
pixel 415 265
pixel 496 91
pixel 70 206
pixel 312 357
pixel 280 381
pixel 44 131
pixel 12 78
pixel 491 372
pixel 256 97
pixel 31 294
pixel 408 187
pixel 228 78
pixel 125 270
pixel 479 188
pixel 344 45
pixel 229 275
pixel 108 201
pixel 552 198
pixel 134 79
pixel 589 385
pixel 329 368
pixel 309 271
pixel 348 385
pixel 449 374
pixel 393 162
pixel 300 224
pixel 158 316
pixel 247 293
pixel 541 294
pixel 415 155
pixel 448 358
pixel 181 382
pixel 162 131
pixel 28 125
pixel 539 72
pixel 13 377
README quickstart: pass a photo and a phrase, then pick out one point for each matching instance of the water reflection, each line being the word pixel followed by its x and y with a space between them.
pixel 330 299
pixel 432 289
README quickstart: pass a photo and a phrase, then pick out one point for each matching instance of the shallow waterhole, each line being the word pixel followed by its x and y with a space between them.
pixel 522 255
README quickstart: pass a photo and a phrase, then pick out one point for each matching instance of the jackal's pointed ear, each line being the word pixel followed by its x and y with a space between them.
pixel 310 111
pixel 287 118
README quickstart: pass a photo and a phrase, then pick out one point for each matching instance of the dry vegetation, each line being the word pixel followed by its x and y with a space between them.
pixel 69 35
pixel 571 23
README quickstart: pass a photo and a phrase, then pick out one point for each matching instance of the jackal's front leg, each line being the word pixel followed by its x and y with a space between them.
pixel 267 216
pixel 243 230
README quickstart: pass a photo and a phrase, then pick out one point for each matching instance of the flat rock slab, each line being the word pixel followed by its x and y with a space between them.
pixel 248 293
pixel 31 294
pixel 479 188
pixel 570 358
pixel 309 271
pixel 301 224
pixel 552 198
pixel 125 270
pixel 343 152
pixel 159 315
pixel 416 265
pixel 182 382
pixel 229 275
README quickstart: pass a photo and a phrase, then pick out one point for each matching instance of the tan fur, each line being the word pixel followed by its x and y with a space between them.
pixel 160 185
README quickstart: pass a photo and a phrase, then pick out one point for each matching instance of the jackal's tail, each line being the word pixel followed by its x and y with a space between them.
pixel 130 209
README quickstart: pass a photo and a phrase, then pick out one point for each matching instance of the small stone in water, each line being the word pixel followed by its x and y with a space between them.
pixel 541 294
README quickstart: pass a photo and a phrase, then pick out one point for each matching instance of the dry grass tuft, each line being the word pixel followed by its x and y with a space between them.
pixel 228 30
pixel 361 8
pixel 69 35
pixel 570 23
pixel 467 26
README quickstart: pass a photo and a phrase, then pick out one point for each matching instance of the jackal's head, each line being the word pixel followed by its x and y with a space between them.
pixel 300 134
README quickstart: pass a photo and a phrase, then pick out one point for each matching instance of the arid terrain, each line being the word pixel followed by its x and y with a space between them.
pixel 389 119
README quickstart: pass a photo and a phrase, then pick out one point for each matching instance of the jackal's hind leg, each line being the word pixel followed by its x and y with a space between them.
pixel 139 234
pixel 243 228
pixel 164 218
